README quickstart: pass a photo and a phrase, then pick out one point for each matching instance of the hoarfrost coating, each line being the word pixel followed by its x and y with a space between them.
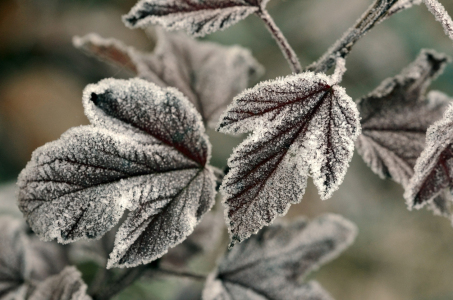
pixel 146 152
pixel 302 124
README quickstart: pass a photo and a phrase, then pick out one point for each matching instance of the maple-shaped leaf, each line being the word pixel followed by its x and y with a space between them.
pixel 396 115
pixel 433 169
pixel 68 285
pixel 210 75
pixel 146 151
pixel 23 260
pixel 197 17
pixel 302 125
pixel 270 264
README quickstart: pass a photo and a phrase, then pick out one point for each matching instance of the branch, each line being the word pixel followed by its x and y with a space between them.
pixel 377 12
pixel 287 51
pixel 438 10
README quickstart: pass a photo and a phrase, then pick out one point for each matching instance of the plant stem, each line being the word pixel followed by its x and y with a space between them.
pixel 179 274
pixel 376 13
pixel 126 279
pixel 287 51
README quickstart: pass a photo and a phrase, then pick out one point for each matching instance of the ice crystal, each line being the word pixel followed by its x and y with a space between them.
pixel 302 125
pixel 396 115
pixel 146 151
pixel 197 17
pixel 270 264
pixel 210 75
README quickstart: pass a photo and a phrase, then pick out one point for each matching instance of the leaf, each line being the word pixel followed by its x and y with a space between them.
pixel 302 125
pixel 396 115
pixel 268 266
pixel 146 151
pixel 68 285
pixel 441 15
pixel 197 17
pixel 24 260
pixel 210 75
pixel 432 171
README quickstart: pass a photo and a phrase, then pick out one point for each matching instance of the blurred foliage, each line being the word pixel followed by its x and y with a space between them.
pixel 398 255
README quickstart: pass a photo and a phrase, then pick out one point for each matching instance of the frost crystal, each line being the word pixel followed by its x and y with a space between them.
pixel 146 152
pixel 432 172
pixel 210 75
pixel 302 125
pixel 396 115
pixel 438 10
pixel 68 285
pixel 197 17
pixel 269 265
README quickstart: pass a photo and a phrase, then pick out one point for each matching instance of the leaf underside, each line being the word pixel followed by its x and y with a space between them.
pixel 302 124
pixel 209 75
pixel 145 151
pixel 269 265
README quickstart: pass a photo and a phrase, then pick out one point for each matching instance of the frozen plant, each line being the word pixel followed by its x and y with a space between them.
pixel 146 152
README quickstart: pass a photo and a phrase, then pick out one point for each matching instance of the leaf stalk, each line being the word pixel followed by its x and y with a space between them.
pixel 282 42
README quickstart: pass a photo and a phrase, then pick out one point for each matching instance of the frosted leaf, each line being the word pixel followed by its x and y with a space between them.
pixel 24 260
pixel 302 125
pixel 396 115
pixel 438 10
pixel 165 220
pixel 210 75
pixel 433 169
pixel 270 264
pixel 146 152
pixel 205 237
pixel 68 285
pixel 197 17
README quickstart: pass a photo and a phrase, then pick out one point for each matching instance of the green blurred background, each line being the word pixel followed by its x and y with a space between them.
pixel 398 254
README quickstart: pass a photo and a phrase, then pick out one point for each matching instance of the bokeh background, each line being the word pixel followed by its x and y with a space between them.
pixel 398 254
